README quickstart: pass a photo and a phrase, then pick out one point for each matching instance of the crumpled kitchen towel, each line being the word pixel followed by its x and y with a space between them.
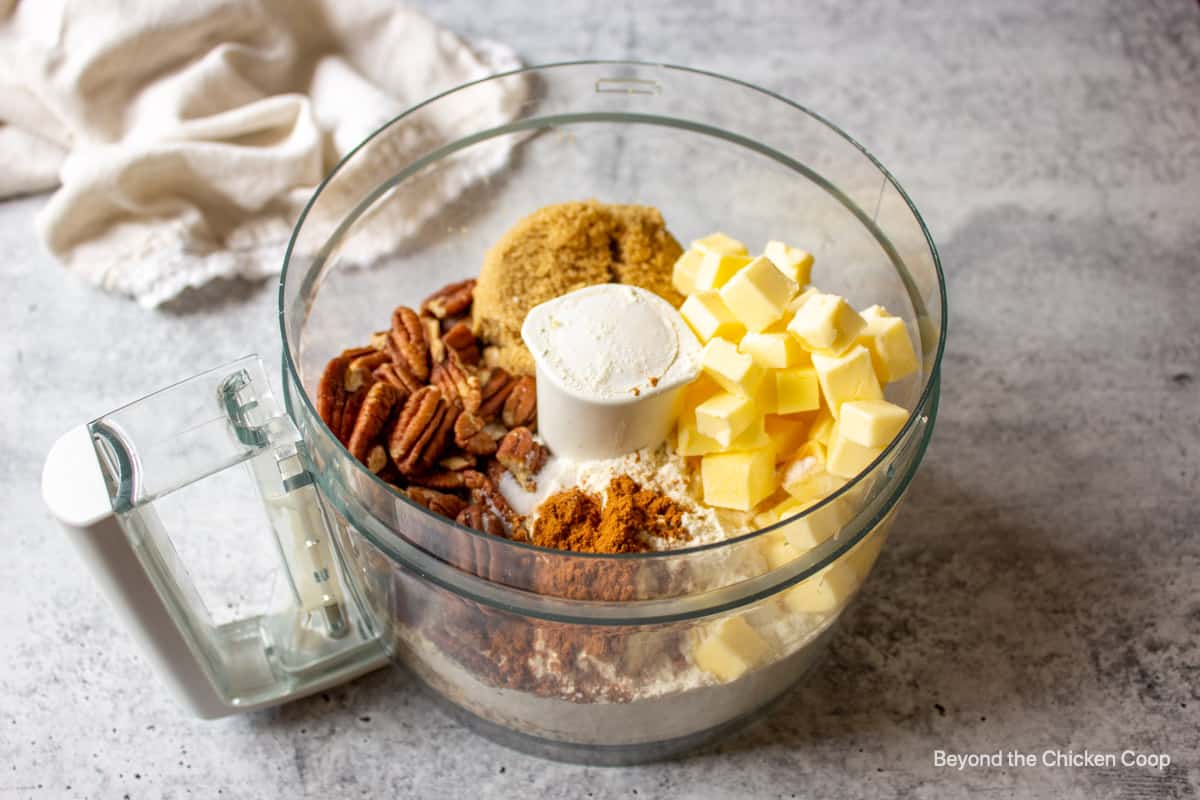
pixel 185 136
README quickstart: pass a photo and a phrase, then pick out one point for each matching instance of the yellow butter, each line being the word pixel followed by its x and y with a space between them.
pixel 775 548
pixel 689 441
pixel 787 433
pixel 738 480
pixel 797 389
pixel 736 372
pixel 826 324
pixel 723 416
pixel 824 592
pixel 715 269
pixel 791 261
pixel 730 648
pixel 758 294
pixel 849 376
pixel 845 458
pixel 720 244
pixel 687 267
pixel 697 392
pixel 774 350
pixel 708 316
pixel 822 426
pixel 887 339
pixel 814 483
pixel 871 423
pixel 818 524
pixel 806 294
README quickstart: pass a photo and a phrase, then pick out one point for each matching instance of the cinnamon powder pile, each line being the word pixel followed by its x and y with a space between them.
pixel 578 521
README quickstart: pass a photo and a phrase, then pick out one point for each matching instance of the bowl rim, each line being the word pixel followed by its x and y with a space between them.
pixel 925 405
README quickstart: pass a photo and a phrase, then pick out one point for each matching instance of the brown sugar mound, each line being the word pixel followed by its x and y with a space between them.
pixel 578 521
pixel 561 248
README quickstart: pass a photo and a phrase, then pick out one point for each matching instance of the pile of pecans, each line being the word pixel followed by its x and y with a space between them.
pixel 420 409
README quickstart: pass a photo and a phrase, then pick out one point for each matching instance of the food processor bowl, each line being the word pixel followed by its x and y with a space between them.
pixel 577 656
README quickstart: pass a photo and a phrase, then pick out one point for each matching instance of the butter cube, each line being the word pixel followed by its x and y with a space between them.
pixel 824 592
pixel 691 442
pixel 730 649
pixel 846 458
pixel 826 324
pixel 696 393
pixel 775 548
pixel 849 376
pixel 813 484
pixel 708 316
pixel 796 389
pixel 758 294
pixel 715 269
pixel 822 427
pixel 738 480
pixel 791 261
pixel 797 302
pixel 753 437
pixel 818 524
pixel 687 267
pixel 736 372
pixel 774 350
pixel 886 337
pixel 871 423
pixel 724 416
pixel 787 433
pixel 720 244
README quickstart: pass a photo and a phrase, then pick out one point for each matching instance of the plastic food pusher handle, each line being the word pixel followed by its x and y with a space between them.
pixel 101 481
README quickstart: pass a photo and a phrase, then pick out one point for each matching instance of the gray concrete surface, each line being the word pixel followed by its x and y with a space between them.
pixel 1042 588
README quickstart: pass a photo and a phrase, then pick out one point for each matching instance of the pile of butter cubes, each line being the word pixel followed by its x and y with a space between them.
pixel 790 373
pixel 788 408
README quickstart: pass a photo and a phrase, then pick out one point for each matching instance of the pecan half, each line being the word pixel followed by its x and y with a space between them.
pixel 481 519
pixel 443 479
pixel 433 336
pixel 331 389
pixel 461 339
pixel 359 370
pixel 469 434
pixel 447 505
pixel 484 493
pixel 400 377
pixel 377 459
pixel 522 456
pixel 520 409
pixel 457 383
pixel 407 342
pixel 376 408
pixel 496 389
pixel 452 300
pixel 422 431
pixel 457 461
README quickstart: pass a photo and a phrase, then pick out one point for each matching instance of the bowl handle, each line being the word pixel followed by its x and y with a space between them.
pixel 102 480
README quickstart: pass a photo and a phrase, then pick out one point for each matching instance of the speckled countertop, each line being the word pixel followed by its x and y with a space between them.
pixel 1042 587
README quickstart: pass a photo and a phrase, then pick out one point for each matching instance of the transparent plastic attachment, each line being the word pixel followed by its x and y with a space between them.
pixel 312 636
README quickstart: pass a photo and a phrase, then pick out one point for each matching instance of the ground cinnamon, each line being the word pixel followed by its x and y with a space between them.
pixel 578 521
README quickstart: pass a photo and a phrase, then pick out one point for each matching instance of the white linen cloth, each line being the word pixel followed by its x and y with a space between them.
pixel 185 136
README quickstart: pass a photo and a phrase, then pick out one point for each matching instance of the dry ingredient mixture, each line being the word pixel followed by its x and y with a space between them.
pixel 443 406
pixel 558 249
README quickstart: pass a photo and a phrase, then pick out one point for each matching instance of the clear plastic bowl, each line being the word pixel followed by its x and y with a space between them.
pixel 580 656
